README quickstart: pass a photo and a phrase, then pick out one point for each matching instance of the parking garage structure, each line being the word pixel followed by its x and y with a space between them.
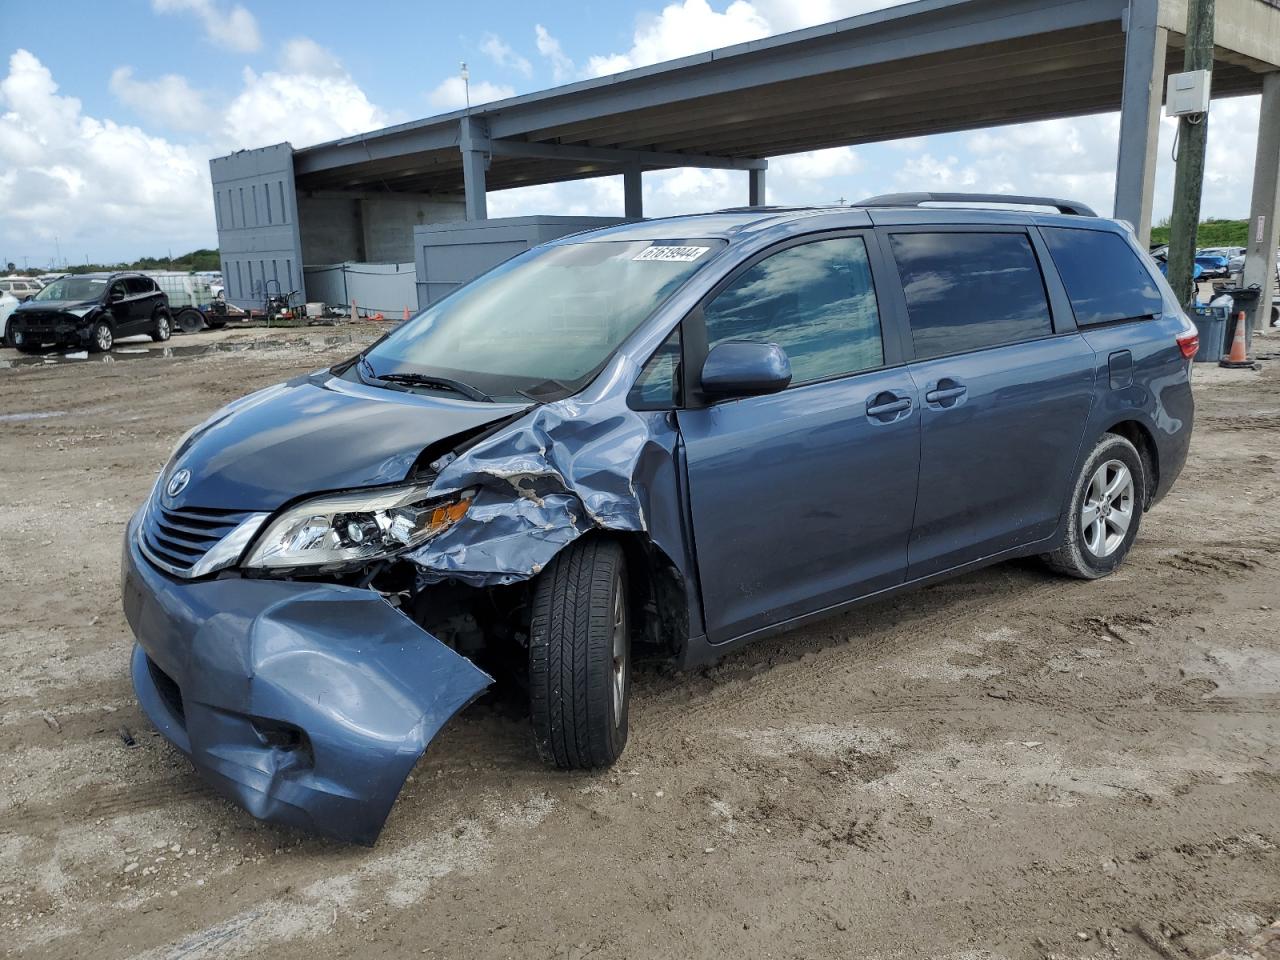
pixel 410 201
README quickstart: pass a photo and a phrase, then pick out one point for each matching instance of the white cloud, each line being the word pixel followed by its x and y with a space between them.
pixel 451 94
pixel 91 183
pixel 818 164
pixel 309 100
pixel 689 26
pixel 168 99
pixel 109 190
pixel 234 28
pixel 549 47
pixel 500 52
pixel 784 15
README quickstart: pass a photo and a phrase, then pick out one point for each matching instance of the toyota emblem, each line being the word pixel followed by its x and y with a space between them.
pixel 178 482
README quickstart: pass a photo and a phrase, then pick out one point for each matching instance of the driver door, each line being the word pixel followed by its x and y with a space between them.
pixel 120 307
pixel 802 499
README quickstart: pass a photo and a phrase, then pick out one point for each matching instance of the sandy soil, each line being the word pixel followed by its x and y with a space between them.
pixel 1008 765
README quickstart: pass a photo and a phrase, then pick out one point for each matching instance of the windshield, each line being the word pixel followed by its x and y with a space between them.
pixel 542 324
pixel 73 288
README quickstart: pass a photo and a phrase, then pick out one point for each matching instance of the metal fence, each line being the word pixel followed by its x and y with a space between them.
pixel 386 288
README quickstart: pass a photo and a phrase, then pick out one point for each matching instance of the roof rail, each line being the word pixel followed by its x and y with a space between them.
pixel 1072 207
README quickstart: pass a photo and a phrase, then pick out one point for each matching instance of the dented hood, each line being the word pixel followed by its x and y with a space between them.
pixel 315 434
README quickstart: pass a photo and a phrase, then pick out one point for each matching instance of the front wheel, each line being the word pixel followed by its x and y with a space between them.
pixel 162 326
pixel 102 338
pixel 580 657
pixel 1106 508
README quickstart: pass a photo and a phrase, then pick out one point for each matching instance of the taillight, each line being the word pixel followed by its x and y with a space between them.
pixel 1189 343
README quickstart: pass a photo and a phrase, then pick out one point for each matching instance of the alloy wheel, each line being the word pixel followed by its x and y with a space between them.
pixel 1107 510
pixel 619 651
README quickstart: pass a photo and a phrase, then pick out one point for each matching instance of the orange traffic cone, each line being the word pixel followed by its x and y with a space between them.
pixel 1238 358
pixel 406 313
pixel 377 317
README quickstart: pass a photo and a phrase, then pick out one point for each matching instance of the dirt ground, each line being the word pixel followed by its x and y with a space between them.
pixel 1007 765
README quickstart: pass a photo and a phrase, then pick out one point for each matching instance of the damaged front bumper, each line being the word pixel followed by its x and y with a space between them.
pixel 305 703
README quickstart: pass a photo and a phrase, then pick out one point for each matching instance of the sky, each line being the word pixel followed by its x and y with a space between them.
pixel 110 111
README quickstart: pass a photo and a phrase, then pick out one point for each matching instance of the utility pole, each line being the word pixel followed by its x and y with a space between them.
pixel 1193 133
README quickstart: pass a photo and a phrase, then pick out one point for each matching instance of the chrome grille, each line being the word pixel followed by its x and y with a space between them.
pixel 178 539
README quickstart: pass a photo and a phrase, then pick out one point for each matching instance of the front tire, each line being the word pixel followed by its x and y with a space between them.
pixel 1105 511
pixel 580 657
pixel 163 326
pixel 102 338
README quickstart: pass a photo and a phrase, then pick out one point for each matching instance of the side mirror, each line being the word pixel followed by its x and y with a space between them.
pixel 743 368
pixel 115 296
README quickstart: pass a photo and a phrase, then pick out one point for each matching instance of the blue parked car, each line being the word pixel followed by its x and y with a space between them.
pixel 674 436
pixel 1212 265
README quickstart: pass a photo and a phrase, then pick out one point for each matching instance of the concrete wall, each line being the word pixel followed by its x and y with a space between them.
pixel 330 229
pixel 1249 27
pixel 389 222
pixel 257 217
pixel 368 227
pixel 449 255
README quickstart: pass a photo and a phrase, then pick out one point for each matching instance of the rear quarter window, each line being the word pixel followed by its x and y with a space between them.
pixel 1105 280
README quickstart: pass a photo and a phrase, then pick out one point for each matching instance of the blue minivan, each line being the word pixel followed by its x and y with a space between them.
pixel 667 438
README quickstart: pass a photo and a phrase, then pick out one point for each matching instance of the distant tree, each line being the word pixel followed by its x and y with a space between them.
pixel 11 267
pixel 1211 233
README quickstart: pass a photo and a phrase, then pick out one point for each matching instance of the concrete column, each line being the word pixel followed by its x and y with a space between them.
pixel 755 188
pixel 474 144
pixel 1264 211
pixel 1144 60
pixel 633 193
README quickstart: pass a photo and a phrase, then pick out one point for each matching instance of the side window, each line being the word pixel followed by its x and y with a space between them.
pixel 118 291
pixel 658 386
pixel 138 286
pixel 817 301
pixel 966 291
pixel 1103 275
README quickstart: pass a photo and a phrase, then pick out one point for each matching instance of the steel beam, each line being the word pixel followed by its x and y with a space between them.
pixel 1145 52
pixel 643 158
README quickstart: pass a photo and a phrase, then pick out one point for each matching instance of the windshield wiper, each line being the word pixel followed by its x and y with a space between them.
pixel 438 383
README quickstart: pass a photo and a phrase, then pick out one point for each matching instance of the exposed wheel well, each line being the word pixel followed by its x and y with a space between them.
pixel 659 594
pixel 1137 433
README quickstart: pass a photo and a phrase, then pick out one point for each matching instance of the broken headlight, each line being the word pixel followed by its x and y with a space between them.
pixel 355 527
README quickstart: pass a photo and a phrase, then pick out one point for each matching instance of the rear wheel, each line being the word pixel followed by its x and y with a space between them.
pixel 1105 511
pixel 580 657
pixel 190 320
pixel 102 338
pixel 162 328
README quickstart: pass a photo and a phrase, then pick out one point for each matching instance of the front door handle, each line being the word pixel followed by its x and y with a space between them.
pixel 945 393
pixel 886 406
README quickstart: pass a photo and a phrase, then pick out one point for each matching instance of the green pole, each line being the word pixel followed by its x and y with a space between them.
pixel 1193 133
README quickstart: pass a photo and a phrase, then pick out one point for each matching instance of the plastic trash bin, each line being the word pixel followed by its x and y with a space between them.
pixel 1211 325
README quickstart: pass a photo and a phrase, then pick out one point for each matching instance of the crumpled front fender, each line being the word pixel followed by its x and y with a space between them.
pixel 305 703
pixel 562 470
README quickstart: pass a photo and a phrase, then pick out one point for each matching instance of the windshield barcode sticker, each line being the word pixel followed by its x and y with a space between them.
pixel 671 254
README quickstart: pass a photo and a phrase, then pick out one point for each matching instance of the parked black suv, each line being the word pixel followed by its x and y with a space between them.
pixel 91 310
